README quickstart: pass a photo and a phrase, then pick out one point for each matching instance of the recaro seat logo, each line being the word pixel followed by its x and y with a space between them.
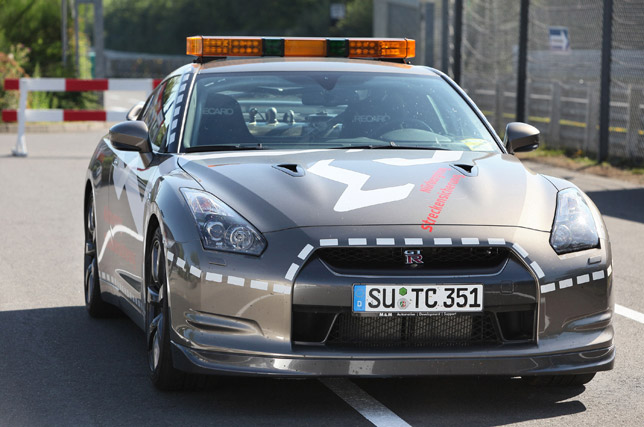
pixel 365 118
pixel 218 111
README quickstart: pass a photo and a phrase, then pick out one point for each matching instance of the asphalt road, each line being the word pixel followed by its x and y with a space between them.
pixel 60 367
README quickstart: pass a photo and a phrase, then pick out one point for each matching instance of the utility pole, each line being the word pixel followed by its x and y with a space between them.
pixel 63 29
pixel 604 96
pixel 458 40
pixel 522 71
pixel 99 48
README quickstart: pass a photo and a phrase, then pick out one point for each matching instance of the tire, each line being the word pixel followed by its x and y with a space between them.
pixel 163 374
pixel 559 380
pixel 94 304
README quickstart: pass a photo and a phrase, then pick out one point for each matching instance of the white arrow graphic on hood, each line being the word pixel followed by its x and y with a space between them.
pixel 354 197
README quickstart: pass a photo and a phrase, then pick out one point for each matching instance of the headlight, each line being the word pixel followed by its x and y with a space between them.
pixel 220 227
pixel 574 228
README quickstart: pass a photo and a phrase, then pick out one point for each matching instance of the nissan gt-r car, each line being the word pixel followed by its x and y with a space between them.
pixel 320 207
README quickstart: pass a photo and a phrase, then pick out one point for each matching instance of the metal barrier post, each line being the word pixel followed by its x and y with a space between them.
pixel 522 60
pixel 635 99
pixel 554 130
pixel 604 98
pixel 21 144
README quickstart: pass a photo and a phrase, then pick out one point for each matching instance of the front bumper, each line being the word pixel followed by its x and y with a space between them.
pixel 238 314
pixel 210 362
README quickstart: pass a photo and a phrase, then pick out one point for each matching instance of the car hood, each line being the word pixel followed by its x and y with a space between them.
pixel 279 189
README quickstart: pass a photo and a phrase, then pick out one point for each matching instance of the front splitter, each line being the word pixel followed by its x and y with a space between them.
pixel 209 362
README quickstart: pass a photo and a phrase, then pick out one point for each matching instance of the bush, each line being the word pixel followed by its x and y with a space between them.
pixel 12 67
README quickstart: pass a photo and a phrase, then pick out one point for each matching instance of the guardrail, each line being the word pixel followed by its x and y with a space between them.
pixel 26 85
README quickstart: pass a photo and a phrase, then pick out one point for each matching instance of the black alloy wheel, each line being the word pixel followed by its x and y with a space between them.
pixel 94 304
pixel 157 320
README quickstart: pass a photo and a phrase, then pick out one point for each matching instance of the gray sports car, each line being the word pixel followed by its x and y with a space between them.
pixel 300 212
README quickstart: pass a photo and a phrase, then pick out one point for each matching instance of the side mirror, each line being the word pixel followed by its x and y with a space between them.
pixel 130 136
pixel 134 112
pixel 520 137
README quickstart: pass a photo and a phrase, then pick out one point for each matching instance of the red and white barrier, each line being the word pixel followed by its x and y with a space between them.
pixel 26 85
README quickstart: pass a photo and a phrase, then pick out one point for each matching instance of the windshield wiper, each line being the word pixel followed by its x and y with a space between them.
pixel 222 147
pixel 390 146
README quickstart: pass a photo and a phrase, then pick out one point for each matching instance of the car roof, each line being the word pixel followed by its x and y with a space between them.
pixel 311 64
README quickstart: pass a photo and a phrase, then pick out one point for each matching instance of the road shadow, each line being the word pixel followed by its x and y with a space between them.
pixel 625 204
pixel 59 366
pixel 471 401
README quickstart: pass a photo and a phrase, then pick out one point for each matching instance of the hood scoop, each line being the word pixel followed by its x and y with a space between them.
pixel 290 169
pixel 466 169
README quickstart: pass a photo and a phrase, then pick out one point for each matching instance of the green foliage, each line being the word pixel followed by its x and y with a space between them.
pixel 36 24
pixel 359 20
pixel 161 26
pixel 12 66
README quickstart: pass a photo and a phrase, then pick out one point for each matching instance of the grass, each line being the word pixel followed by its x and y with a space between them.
pixel 626 169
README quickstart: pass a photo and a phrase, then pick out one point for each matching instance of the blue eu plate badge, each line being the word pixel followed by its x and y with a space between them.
pixel 359 297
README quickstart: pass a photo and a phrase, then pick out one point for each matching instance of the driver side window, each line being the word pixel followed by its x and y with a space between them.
pixel 157 114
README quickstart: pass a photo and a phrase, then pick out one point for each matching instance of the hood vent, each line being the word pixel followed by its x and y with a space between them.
pixel 290 169
pixel 466 169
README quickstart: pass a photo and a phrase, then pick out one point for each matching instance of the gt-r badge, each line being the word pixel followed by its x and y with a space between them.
pixel 413 257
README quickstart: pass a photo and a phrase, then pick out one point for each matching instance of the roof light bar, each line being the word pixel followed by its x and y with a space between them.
pixel 209 46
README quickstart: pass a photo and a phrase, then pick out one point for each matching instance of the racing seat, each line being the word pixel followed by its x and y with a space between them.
pixel 366 117
pixel 222 122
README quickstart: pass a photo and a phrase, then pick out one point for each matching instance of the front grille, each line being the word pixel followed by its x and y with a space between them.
pixel 433 258
pixel 459 330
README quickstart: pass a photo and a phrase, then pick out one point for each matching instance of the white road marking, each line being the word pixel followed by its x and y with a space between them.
pixel 631 314
pixel 328 242
pixel 290 274
pixel 495 241
pixel 470 241
pixel 170 256
pixel 598 275
pixel 181 263
pixel 374 411
pixel 305 252
pixel 565 283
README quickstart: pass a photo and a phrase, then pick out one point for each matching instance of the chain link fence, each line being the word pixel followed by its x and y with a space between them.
pixel 564 65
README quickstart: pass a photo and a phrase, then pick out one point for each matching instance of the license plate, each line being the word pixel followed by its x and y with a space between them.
pixel 411 300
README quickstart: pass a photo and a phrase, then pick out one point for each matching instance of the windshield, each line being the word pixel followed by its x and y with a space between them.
pixel 330 110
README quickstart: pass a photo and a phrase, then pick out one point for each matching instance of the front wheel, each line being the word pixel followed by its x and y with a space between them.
pixel 94 304
pixel 157 320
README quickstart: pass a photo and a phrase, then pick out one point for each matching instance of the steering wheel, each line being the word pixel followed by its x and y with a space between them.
pixel 405 123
